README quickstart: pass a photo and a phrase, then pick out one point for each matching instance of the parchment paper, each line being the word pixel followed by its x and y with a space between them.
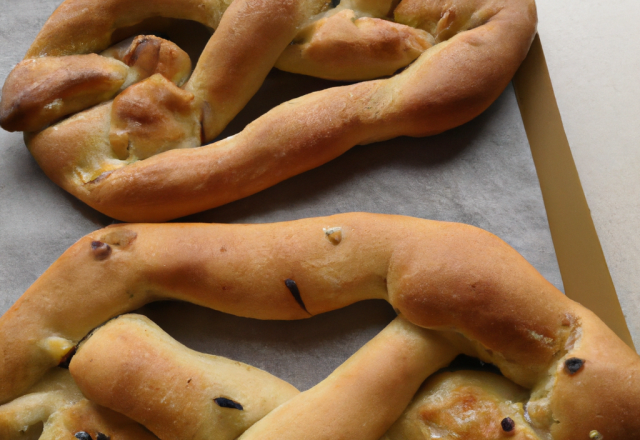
pixel 481 173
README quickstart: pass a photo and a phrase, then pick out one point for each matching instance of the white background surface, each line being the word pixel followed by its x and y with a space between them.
pixel 593 57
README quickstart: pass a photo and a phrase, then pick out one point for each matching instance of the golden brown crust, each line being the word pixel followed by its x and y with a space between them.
pixel 148 54
pixel 100 20
pixel 343 47
pixel 40 91
pixel 443 276
pixel 153 108
pixel 480 45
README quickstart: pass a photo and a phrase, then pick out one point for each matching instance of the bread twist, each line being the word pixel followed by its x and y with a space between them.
pixel 130 154
pixel 456 279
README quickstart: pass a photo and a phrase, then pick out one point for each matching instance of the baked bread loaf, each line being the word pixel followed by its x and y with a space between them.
pixel 452 278
pixel 130 151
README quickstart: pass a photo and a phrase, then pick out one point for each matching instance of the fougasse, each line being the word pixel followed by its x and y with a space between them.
pixel 122 125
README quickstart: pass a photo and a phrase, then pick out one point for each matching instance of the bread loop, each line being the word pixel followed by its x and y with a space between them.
pixel 133 157
pixel 462 282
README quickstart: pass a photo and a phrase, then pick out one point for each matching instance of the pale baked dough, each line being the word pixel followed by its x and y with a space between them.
pixel 469 405
pixel 364 395
pixel 130 366
pixel 133 367
pixel 55 409
pixel 132 155
pixel 452 278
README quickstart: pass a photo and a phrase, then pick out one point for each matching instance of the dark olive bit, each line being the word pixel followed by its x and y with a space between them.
pixel 228 403
pixel 508 424
pixel 100 250
pixel 102 436
pixel 293 288
pixel 82 435
pixel 573 365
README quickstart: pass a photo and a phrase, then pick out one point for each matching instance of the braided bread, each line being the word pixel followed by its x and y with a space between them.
pixel 129 152
pixel 452 278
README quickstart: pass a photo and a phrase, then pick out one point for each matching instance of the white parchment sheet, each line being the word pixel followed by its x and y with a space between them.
pixel 481 173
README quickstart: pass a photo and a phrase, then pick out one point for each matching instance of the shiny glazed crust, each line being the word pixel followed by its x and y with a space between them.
pixel 465 283
pixel 133 157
